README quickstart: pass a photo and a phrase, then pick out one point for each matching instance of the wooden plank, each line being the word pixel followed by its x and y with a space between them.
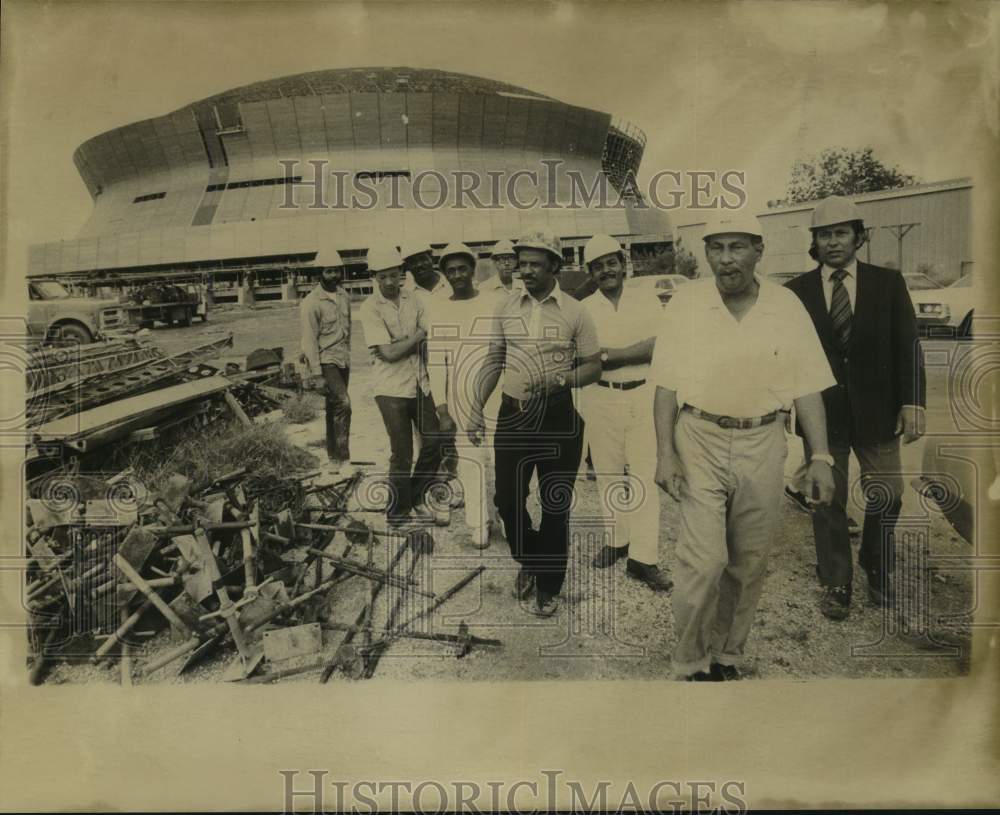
pixel 90 421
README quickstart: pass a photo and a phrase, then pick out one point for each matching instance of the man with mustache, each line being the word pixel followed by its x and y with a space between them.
pixel 395 325
pixel 865 320
pixel 546 344
pixel 460 330
pixel 325 316
pixel 734 355
pixel 618 413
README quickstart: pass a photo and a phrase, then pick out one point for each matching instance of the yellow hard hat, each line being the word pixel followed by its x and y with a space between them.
pixel 835 209
pixel 599 246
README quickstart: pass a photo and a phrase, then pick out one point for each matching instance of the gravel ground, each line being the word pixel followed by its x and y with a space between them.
pixel 613 628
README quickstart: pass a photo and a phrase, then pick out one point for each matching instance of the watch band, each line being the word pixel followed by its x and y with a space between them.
pixel 822 457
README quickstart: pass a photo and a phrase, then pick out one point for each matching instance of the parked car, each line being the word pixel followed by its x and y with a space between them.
pixel 53 313
pixel 943 311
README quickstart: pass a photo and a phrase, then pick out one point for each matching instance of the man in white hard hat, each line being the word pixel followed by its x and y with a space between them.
pixel 865 320
pixel 395 325
pixel 735 353
pixel 546 344
pixel 503 283
pixel 325 316
pixel 422 275
pixel 460 331
pixel 618 411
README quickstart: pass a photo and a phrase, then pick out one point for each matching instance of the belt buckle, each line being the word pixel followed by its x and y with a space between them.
pixel 728 422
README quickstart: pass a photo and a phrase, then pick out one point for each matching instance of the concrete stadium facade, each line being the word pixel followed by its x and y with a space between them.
pixel 205 188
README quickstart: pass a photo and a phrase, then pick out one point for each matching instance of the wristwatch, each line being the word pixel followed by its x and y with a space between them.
pixel 561 380
pixel 822 457
pixel 604 355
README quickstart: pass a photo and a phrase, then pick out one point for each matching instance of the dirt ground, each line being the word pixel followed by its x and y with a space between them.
pixel 615 628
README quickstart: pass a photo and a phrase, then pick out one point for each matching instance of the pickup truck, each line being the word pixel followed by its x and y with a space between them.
pixel 53 313
pixel 169 304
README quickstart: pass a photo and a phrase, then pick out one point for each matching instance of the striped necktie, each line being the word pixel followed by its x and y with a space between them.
pixel 840 310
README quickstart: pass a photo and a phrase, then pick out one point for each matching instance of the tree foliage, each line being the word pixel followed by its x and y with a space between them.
pixel 839 171
pixel 684 262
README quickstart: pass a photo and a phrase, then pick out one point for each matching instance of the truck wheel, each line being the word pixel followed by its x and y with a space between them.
pixel 72 332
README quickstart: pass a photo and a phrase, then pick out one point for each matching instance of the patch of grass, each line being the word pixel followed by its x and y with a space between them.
pixel 208 454
pixel 299 410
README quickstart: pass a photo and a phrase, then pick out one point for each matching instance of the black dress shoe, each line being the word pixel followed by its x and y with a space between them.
pixel 650 575
pixel 699 676
pixel 524 583
pixel 835 604
pixel 608 556
pixel 724 673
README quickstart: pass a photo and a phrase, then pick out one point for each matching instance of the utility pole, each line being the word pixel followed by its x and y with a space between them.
pixel 900 231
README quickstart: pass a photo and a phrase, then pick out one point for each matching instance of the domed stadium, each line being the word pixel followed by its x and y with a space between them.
pixel 241 183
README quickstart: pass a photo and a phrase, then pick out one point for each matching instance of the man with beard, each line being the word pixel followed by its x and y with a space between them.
pixel 734 355
pixel 546 344
pixel 865 320
pixel 618 411
pixel 325 315
pixel 395 325
pixel 460 330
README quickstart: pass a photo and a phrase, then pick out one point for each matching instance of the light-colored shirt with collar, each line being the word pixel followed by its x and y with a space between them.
pixel 743 368
pixel 385 322
pixel 850 283
pixel 326 328
pixel 637 317
pixel 494 285
pixel 440 289
pixel 542 339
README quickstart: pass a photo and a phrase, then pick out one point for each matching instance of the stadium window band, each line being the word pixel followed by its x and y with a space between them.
pixel 255 182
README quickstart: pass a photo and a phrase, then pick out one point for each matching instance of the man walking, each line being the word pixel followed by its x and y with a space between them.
pixel 460 330
pixel 734 354
pixel 395 325
pixel 547 344
pixel 325 316
pixel 865 321
pixel 618 412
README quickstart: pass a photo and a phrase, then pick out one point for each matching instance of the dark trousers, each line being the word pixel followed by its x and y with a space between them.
pixel 882 491
pixel 544 438
pixel 409 482
pixel 338 412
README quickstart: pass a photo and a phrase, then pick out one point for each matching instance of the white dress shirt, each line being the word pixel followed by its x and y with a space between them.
pixel 850 283
pixel 743 368
pixel 637 316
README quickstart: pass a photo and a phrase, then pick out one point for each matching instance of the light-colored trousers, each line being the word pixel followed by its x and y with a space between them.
pixel 728 512
pixel 619 429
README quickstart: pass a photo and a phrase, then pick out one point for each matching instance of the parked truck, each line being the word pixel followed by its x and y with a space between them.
pixel 169 304
pixel 54 313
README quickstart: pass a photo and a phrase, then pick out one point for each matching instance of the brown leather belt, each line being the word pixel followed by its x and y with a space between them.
pixel 733 422
pixel 621 386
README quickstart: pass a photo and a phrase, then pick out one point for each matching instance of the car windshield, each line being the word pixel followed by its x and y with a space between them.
pixel 50 290
pixel 963 282
pixel 665 284
pixel 918 282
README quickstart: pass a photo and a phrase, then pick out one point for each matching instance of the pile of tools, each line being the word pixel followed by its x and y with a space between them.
pixel 187 574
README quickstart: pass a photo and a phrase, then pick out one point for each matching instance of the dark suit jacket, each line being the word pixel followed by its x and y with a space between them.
pixel 884 366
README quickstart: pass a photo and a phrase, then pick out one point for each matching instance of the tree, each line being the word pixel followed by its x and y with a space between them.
pixel 684 262
pixel 839 171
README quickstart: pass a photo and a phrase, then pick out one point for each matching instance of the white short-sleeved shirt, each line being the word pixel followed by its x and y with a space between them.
pixel 741 368
pixel 385 322
pixel 639 315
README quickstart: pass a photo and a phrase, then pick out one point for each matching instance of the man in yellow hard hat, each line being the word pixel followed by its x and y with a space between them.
pixel 865 320
pixel 395 326
pixel 734 355
pixel 546 345
pixel 618 411
pixel 325 316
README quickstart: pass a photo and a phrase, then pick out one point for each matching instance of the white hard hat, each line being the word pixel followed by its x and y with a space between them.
pixel 328 257
pixel 502 247
pixel 456 249
pixel 835 209
pixel 383 256
pixel 723 223
pixel 599 246
pixel 541 240
pixel 411 248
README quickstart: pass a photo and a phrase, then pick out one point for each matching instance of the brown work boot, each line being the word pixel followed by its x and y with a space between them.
pixel 648 574
pixel 609 556
pixel 835 604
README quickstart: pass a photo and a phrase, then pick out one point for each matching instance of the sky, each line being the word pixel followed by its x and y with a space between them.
pixel 715 86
